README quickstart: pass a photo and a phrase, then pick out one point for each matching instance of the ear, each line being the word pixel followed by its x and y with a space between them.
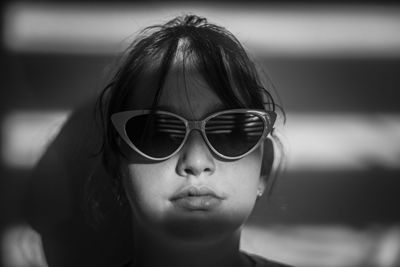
pixel 267 158
pixel 266 167
pixel 262 183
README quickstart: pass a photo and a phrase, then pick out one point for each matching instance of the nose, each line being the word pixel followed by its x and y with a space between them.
pixel 195 158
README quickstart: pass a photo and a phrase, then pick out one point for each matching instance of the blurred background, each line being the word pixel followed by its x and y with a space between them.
pixel 335 66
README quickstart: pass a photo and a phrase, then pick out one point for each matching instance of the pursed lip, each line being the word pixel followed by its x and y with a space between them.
pixel 194 191
pixel 194 198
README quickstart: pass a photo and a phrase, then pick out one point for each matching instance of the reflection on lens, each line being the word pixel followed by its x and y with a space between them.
pixel 156 135
pixel 234 134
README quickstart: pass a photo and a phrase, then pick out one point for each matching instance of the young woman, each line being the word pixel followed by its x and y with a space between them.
pixel 188 129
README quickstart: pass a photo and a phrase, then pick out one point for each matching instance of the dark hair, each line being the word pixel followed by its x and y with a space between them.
pixel 212 50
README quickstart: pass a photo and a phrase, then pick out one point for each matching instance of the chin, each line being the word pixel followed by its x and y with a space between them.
pixel 202 228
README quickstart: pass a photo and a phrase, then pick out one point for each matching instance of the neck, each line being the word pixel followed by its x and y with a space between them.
pixel 153 251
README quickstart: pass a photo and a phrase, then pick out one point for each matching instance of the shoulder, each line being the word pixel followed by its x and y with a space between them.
pixel 263 262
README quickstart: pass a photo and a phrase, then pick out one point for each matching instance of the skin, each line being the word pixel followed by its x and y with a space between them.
pixel 166 232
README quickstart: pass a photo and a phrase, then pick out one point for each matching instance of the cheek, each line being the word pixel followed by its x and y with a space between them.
pixel 243 179
pixel 147 190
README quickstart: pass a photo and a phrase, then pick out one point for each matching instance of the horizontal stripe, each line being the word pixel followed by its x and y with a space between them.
pixel 358 30
pixel 303 84
pixel 343 141
pixel 351 142
pixel 26 134
pixel 316 246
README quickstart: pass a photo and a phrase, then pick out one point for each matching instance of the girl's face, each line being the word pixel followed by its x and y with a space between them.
pixel 193 195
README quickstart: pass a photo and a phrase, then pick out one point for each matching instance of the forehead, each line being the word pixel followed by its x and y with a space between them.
pixel 184 92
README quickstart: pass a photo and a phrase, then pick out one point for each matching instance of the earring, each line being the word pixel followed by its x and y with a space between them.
pixel 259 193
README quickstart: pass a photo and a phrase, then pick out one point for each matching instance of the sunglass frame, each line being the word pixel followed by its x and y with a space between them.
pixel 120 119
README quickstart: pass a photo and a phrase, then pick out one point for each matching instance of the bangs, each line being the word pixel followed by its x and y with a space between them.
pixel 220 63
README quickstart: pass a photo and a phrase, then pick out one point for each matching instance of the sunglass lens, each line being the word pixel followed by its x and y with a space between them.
pixel 156 135
pixel 234 134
